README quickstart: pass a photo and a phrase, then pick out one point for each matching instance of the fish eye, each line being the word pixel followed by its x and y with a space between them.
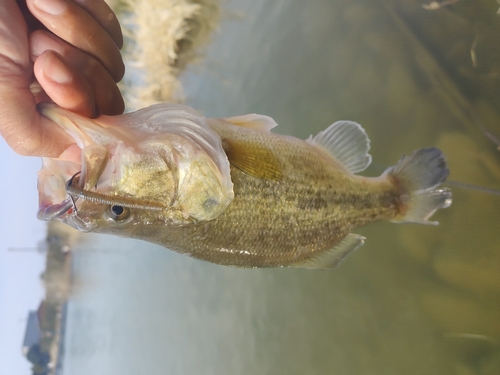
pixel 118 213
pixel 117 210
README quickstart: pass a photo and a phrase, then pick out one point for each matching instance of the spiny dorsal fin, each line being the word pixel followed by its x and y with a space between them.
pixel 253 159
pixel 253 121
pixel 347 142
pixel 334 256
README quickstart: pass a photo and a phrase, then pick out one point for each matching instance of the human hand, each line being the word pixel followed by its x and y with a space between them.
pixel 74 57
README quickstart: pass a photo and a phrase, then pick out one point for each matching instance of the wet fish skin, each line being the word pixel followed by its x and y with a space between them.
pixel 294 203
pixel 276 223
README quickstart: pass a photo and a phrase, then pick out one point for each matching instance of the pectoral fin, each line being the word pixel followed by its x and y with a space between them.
pixel 334 256
pixel 253 159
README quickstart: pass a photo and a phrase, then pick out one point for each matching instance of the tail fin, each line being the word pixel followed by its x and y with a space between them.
pixel 418 175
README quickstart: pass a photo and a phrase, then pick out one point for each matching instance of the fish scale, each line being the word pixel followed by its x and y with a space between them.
pixel 279 230
pixel 234 193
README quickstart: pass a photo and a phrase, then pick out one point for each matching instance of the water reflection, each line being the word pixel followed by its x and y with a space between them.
pixel 414 299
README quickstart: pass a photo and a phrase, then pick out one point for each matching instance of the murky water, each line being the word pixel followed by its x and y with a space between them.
pixel 412 300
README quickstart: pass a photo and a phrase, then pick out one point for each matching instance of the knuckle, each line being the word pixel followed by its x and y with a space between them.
pixel 92 66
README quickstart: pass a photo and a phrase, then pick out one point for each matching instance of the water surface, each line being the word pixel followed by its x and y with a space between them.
pixel 412 300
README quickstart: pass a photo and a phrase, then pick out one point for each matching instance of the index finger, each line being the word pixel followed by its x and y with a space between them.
pixel 26 132
pixel 72 23
pixel 103 14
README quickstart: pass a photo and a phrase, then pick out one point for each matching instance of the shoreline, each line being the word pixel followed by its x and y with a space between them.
pixel 48 354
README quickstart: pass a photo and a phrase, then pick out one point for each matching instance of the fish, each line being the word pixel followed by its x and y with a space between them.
pixel 229 191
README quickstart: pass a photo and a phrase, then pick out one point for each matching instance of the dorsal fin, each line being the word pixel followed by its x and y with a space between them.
pixel 253 159
pixel 347 142
pixel 253 121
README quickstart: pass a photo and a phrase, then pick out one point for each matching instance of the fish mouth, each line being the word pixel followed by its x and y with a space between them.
pixel 65 211
pixel 55 211
pixel 83 163
pixel 73 177
pixel 65 208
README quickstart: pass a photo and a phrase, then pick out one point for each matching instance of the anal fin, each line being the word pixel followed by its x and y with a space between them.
pixel 332 257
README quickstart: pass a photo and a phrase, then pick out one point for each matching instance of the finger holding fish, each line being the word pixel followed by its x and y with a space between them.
pixel 105 16
pixel 76 78
pixel 84 33
pixel 63 85
pixel 99 32
pixel 25 131
pixel 82 75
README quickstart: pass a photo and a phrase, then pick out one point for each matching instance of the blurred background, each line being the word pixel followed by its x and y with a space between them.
pixel 413 300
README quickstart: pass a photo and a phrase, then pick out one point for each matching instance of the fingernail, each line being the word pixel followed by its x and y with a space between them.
pixel 53 7
pixel 56 71
pixel 40 43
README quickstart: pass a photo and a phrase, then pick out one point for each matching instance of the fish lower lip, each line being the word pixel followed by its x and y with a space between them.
pixel 55 210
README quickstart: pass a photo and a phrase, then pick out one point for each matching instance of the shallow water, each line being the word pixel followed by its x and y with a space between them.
pixel 412 300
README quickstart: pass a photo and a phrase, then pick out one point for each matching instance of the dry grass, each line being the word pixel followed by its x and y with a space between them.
pixel 162 37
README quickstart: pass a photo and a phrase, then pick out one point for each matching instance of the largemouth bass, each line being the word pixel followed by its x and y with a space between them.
pixel 229 191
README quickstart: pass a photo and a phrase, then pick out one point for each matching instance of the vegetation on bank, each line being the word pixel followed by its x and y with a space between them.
pixel 161 38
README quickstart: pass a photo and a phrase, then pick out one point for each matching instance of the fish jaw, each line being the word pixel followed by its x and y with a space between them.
pixel 54 201
pixel 164 156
